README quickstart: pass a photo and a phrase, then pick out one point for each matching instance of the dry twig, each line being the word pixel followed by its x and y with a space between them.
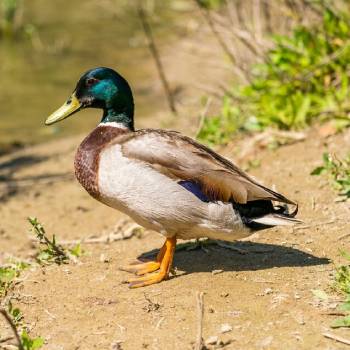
pixel 231 247
pixel 203 116
pixel 13 326
pixel 154 51
pixel 337 338
pixel 200 309
pixel 116 235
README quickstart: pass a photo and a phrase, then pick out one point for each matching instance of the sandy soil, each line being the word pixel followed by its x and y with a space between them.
pixel 263 292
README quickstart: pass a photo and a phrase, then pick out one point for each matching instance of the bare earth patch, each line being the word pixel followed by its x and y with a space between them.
pixel 256 297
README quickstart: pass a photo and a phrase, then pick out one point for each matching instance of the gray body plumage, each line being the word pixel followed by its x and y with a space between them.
pixel 159 203
pixel 139 174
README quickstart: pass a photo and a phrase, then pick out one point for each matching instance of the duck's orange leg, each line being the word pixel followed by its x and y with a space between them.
pixel 146 267
pixel 165 265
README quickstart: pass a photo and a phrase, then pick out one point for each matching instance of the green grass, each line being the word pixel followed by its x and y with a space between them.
pixel 342 284
pixel 304 78
pixel 338 172
pixel 218 129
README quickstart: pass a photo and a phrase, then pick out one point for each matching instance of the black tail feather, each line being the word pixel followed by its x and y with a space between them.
pixel 254 211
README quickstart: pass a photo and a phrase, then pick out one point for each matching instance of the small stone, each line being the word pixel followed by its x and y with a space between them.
pixel 268 291
pixel 224 294
pixel 216 272
pixel 211 310
pixel 299 318
pixel 212 340
pixel 225 328
pixel 104 258
pixel 234 313
pixel 265 342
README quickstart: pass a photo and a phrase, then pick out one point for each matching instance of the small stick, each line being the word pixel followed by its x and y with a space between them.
pixel 337 338
pixel 117 235
pixel 343 236
pixel 154 51
pixel 203 116
pixel 200 309
pixel 220 40
pixel 4 340
pixel 231 247
pixel 13 326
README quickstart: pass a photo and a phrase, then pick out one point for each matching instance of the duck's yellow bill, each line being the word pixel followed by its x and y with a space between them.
pixel 71 106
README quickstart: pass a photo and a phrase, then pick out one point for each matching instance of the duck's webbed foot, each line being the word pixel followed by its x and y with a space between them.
pixel 163 264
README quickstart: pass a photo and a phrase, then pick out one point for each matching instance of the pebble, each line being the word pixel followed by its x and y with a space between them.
pixel 104 258
pixel 225 328
pixel 265 342
pixel 212 340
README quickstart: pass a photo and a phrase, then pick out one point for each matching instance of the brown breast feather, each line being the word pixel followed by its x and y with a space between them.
pixel 88 155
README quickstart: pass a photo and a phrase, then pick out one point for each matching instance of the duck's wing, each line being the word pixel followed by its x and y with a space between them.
pixel 182 158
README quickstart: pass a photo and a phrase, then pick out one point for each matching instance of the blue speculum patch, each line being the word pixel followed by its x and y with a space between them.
pixel 194 188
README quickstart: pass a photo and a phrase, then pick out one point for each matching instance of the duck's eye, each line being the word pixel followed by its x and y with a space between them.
pixel 91 81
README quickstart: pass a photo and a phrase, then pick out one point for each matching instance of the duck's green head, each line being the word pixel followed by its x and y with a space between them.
pixel 100 88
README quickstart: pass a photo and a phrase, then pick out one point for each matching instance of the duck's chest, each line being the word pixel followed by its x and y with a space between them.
pixel 87 158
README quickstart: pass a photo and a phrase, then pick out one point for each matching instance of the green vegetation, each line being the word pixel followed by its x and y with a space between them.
pixel 338 171
pixel 31 344
pixel 9 13
pixel 210 4
pixel 219 129
pixel 8 275
pixel 25 342
pixel 50 251
pixel 304 78
pixel 13 315
pixel 11 22
pixel 343 285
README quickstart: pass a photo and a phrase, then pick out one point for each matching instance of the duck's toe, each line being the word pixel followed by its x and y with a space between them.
pixel 141 268
pixel 148 280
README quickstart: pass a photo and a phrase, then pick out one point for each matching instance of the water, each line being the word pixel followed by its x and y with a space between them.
pixel 75 36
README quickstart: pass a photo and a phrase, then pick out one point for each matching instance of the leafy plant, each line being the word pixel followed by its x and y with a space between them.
pixel 15 313
pixel 342 284
pixel 31 344
pixel 304 78
pixel 77 251
pixel 25 342
pixel 338 171
pixel 8 274
pixel 219 129
pixel 50 251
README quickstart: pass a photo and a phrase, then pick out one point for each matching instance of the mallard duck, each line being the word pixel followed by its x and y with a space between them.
pixel 165 181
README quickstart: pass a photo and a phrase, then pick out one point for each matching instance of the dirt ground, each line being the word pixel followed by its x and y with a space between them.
pixel 263 292
pixel 260 294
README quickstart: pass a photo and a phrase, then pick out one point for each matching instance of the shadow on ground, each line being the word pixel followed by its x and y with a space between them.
pixel 10 186
pixel 249 256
